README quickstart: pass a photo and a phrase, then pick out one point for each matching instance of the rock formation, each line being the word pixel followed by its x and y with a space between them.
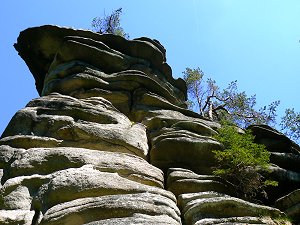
pixel 110 141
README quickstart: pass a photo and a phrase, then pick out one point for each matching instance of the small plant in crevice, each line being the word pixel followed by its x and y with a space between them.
pixel 240 161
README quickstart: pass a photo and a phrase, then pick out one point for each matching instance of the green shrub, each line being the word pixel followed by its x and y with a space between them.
pixel 240 161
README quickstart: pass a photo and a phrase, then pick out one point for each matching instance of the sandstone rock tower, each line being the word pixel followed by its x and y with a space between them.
pixel 110 141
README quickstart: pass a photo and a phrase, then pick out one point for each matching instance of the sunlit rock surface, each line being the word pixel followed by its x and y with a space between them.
pixel 110 141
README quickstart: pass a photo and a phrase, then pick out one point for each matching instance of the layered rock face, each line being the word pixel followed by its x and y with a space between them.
pixel 110 141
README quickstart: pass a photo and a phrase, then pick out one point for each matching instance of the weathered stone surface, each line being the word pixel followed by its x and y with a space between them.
pixel 288 161
pixel 121 99
pixel 126 165
pixel 185 198
pixel 85 210
pixel 283 175
pixel 243 220
pixel 290 204
pixel 41 46
pixel 78 155
pixel 288 200
pixel 65 80
pixel 19 198
pixel 7 154
pixel 145 112
pixel 1 177
pixel 138 219
pixel 16 217
pixel 284 159
pixel 197 127
pixel 273 139
pixel 67 185
pixel 30 141
pixel 236 212
pixel 185 149
pixel 90 123
pixel 181 181
pixel 143 99
pixel 288 181
pixel 74 184
pixel 224 207
pixel 156 119
pixel 17 193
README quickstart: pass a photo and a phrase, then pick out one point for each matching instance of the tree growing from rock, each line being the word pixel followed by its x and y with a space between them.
pixel 109 24
pixel 240 162
pixel 290 124
pixel 228 104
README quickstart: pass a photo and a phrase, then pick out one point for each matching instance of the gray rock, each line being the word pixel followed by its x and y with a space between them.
pixel 158 118
pixel 242 220
pixel 16 217
pixel 190 200
pixel 123 53
pixel 79 156
pixel 126 165
pixel 196 127
pixel 288 181
pixel 224 207
pixel 120 99
pixel 138 219
pixel 273 139
pixel 283 175
pixel 7 154
pixel 146 99
pixel 288 200
pixel 289 161
pixel 181 148
pixel 154 42
pixel 185 181
pixel 1 177
pixel 87 181
pixel 30 141
pixel 85 210
pixel 183 199
pixel 17 193
pixel 290 204
pixel 90 51
pixel 19 198
pixel 90 123
pixel 75 75
pixel 45 191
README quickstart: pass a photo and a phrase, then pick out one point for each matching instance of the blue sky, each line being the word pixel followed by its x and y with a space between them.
pixel 255 42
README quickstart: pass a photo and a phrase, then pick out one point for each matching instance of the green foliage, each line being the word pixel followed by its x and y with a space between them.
pixel 241 108
pixel 240 162
pixel 199 89
pixel 193 78
pixel 229 104
pixel 212 102
pixel 290 124
pixel 110 24
pixel 281 220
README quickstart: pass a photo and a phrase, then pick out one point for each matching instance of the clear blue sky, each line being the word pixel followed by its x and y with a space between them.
pixel 253 41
